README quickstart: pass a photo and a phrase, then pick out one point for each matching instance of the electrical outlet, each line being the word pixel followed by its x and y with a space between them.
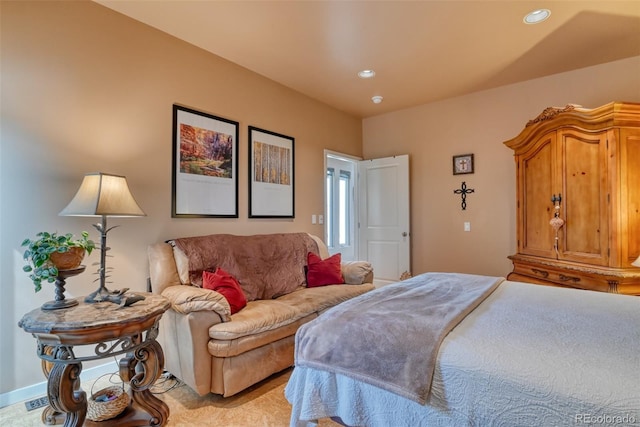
pixel 467 226
pixel 320 219
pixel 314 219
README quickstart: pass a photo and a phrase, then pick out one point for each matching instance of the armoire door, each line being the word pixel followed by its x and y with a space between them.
pixel 627 242
pixel 537 183
pixel 582 171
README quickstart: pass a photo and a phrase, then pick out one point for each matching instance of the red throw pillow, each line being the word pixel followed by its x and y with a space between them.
pixel 225 284
pixel 323 272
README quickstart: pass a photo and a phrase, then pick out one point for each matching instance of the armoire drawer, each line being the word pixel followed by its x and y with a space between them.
pixel 573 279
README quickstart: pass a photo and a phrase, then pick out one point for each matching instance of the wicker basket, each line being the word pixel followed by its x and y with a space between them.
pixel 100 411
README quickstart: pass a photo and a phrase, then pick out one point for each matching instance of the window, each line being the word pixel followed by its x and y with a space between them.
pixel 344 208
pixel 340 207
pixel 329 207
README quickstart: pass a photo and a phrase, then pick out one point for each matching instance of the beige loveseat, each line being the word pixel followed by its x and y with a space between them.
pixel 210 349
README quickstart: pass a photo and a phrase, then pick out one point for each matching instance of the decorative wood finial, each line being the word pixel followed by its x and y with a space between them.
pixel 551 112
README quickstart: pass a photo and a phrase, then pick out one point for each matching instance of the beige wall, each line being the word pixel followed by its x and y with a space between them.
pixel 479 123
pixel 86 89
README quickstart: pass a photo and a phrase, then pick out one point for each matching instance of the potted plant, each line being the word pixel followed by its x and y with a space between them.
pixel 51 252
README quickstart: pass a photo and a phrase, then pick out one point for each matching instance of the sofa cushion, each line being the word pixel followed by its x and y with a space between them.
pixel 225 284
pixel 319 299
pixel 322 272
pixel 266 266
pixel 258 316
pixel 268 315
pixel 230 348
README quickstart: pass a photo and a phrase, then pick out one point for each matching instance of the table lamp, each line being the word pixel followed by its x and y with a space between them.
pixel 636 263
pixel 103 195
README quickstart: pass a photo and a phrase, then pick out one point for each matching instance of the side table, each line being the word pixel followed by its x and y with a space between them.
pixel 111 330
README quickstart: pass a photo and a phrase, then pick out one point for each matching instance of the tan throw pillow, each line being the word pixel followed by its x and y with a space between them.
pixel 354 272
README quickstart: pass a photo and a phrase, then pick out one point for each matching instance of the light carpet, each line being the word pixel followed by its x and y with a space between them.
pixel 263 404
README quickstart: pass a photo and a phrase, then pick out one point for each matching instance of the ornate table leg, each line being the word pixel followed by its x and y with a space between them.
pixel 141 368
pixel 49 416
pixel 63 390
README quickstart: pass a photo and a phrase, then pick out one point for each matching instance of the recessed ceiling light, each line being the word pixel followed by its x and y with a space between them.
pixel 537 16
pixel 366 74
pixel 376 99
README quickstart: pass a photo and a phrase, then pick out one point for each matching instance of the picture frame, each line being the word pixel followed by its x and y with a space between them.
pixel 463 164
pixel 271 174
pixel 205 165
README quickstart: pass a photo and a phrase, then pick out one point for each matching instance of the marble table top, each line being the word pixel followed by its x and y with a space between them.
pixel 85 318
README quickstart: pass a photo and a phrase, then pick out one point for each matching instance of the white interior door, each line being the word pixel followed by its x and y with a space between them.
pixel 384 217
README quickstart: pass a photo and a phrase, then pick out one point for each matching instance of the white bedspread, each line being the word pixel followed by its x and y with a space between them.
pixel 529 355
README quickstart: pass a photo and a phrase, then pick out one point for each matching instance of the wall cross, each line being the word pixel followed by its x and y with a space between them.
pixel 463 191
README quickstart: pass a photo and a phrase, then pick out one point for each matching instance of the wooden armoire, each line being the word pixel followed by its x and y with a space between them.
pixel 578 198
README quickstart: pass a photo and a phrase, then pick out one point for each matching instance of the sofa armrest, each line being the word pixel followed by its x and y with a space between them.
pixel 162 267
pixel 357 272
pixel 187 299
pixel 184 333
pixel 184 339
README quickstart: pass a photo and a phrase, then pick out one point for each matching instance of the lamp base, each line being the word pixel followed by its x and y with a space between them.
pixel 105 295
pixel 117 297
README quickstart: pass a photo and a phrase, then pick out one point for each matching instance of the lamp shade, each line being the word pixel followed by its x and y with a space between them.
pixel 102 194
pixel 636 263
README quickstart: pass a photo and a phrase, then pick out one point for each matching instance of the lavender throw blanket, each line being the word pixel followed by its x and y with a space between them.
pixel 390 337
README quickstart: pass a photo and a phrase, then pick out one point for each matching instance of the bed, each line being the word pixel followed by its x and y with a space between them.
pixel 521 355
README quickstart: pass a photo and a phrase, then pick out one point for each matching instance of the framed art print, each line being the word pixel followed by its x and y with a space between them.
pixel 463 164
pixel 271 174
pixel 205 165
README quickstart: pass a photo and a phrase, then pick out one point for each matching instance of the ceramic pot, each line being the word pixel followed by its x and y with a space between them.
pixel 68 260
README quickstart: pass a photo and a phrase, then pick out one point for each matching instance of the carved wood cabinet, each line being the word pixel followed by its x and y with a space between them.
pixel 578 198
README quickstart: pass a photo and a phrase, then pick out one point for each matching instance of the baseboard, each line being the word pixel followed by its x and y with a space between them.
pixel 40 389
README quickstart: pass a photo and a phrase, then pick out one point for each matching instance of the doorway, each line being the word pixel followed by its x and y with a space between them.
pixel 340 205
pixel 367 212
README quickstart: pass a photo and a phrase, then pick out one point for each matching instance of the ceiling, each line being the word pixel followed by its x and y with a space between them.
pixel 421 51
